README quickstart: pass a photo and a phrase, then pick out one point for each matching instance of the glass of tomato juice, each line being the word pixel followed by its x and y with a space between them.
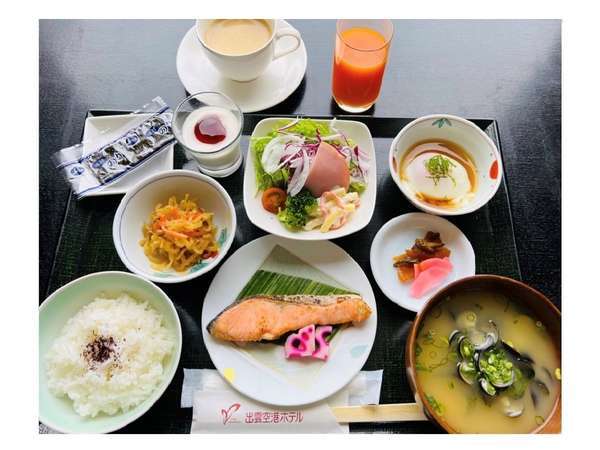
pixel 361 52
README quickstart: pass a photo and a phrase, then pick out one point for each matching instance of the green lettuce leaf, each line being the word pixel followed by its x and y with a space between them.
pixel 357 186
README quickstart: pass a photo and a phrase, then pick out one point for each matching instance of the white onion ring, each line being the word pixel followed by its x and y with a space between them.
pixel 300 175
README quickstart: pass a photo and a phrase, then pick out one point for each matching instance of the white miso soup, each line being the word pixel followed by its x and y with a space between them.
pixel 486 365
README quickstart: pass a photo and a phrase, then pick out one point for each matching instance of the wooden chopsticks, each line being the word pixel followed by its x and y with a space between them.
pixel 400 412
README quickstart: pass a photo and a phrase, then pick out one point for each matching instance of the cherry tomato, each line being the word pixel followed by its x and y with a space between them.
pixel 273 199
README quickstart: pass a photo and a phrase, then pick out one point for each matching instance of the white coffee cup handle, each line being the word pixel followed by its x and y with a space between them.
pixel 283 33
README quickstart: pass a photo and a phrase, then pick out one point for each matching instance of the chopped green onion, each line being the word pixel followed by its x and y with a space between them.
pixel 437 406
pixel 466 349
pixel 496 367
pixel 539 420
pixel 439 167
pixel 441 342
pixel 421 368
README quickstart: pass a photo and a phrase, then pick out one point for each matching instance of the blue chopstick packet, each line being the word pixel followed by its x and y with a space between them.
pixel 93 164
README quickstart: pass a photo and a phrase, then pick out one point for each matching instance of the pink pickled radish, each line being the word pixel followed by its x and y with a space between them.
pixel 428 280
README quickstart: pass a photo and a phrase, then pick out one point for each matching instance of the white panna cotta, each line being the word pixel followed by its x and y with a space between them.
pixel 210 128
pixel 451 188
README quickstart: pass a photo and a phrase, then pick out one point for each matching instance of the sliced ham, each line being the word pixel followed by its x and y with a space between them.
pixel 328 170
pixel 429 279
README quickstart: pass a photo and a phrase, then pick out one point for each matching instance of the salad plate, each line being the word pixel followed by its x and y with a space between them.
pixel 306 161
pixel 259 370
pixel 278 82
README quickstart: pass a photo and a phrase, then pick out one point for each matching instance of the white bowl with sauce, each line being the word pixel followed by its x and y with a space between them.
pixel 470 177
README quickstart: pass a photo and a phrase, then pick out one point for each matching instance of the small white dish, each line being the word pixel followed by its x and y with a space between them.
pixel 482 150
pixel 137 205
pixel 360 134
pixel 302 382
pixel 398 235
pixel 280 79
pixel 95 126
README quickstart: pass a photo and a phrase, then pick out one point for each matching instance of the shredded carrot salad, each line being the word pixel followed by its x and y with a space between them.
pixel 179 235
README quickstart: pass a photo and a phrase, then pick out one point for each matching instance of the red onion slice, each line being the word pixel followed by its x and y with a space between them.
pixel 332 126
pixel 361 162
pixel 291 152
pixel 276 149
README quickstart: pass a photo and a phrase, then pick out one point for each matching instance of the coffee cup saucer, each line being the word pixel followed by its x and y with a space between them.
pixel 278 82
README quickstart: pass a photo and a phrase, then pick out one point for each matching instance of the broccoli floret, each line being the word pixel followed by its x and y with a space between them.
pixel 298 209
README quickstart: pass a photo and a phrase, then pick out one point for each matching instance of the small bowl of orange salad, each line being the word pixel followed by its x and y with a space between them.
pixel 174 226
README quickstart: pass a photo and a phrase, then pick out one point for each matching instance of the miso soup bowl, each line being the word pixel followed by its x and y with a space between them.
pixel 481 149
pixel 535 301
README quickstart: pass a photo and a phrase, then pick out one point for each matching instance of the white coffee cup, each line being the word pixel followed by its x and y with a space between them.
pixel 250 66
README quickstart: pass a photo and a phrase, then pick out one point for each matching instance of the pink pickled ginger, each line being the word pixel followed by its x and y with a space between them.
pixel 429 274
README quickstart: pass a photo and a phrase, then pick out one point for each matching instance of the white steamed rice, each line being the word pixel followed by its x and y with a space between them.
pixel 119 383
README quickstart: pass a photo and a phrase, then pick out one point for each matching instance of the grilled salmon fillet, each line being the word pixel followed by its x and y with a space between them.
pixel 265 317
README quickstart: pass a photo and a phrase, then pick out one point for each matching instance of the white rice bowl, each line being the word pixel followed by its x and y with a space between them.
pixel 129 375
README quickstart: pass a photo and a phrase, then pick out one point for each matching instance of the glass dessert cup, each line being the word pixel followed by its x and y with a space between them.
pixel 220 156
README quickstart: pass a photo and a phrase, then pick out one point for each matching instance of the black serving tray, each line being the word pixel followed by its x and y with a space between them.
pixel 86 246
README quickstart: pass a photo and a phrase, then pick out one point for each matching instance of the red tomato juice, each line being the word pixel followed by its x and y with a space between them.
pixel 359 63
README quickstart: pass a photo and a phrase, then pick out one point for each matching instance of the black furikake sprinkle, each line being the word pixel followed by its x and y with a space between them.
pixel 99 350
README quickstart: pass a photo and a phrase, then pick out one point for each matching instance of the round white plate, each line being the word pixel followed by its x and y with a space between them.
pixel 398 235
pixel 277 83
pixel 259 370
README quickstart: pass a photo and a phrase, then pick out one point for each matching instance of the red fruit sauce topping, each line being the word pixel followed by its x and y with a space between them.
pixel 210 130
